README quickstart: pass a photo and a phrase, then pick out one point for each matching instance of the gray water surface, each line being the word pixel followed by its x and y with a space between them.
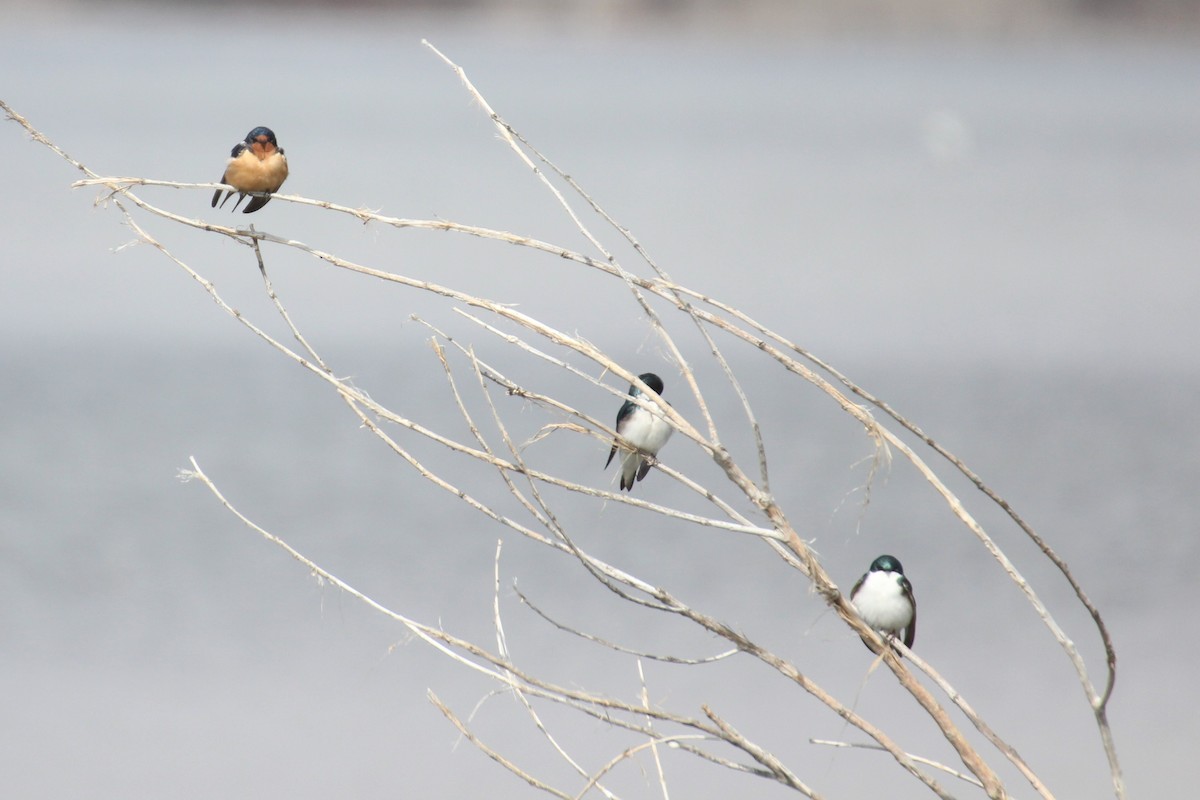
pixel 997 237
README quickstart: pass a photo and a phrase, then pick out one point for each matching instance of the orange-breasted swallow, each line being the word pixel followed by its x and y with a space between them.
pixel 255 165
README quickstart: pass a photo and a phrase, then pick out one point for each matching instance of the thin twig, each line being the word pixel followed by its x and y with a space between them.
pixel 492 754
pixel 662 775
pixel 962 776
pixel 668 659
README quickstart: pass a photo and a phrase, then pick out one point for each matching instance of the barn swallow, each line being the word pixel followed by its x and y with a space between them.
pixel 884 599
pixel 646 430
pixel 255 165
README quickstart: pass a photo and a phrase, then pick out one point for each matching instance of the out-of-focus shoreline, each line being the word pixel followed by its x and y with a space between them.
pixel 766 18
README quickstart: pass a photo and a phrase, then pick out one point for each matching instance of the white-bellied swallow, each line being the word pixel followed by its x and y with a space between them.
pixel 884 599
pixel 645 430
pixel 255 165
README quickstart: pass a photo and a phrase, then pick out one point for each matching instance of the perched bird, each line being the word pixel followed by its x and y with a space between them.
pixel 255 165
pixel 646 430
pixel 884 599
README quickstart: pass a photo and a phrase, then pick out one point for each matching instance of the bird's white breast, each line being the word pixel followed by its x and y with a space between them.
pixel 881 602
pixel 646 430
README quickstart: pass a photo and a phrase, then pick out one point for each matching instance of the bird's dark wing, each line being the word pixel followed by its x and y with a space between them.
pixel 910 632
pixel 255 204
pixel 626 409
pixel 644 467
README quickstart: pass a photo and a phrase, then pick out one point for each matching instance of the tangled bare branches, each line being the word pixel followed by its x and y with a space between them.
pixel 742 504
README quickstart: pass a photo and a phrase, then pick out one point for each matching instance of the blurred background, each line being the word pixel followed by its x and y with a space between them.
pixel 985 214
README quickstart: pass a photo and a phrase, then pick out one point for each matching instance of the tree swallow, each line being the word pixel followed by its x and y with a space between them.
pixel 884 599
pixel 255 165
pixel 644 429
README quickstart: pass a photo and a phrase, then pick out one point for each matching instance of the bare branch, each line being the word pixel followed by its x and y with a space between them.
pixel 619 648
pixel 492 754
pixel 919 759
pixel 781 772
